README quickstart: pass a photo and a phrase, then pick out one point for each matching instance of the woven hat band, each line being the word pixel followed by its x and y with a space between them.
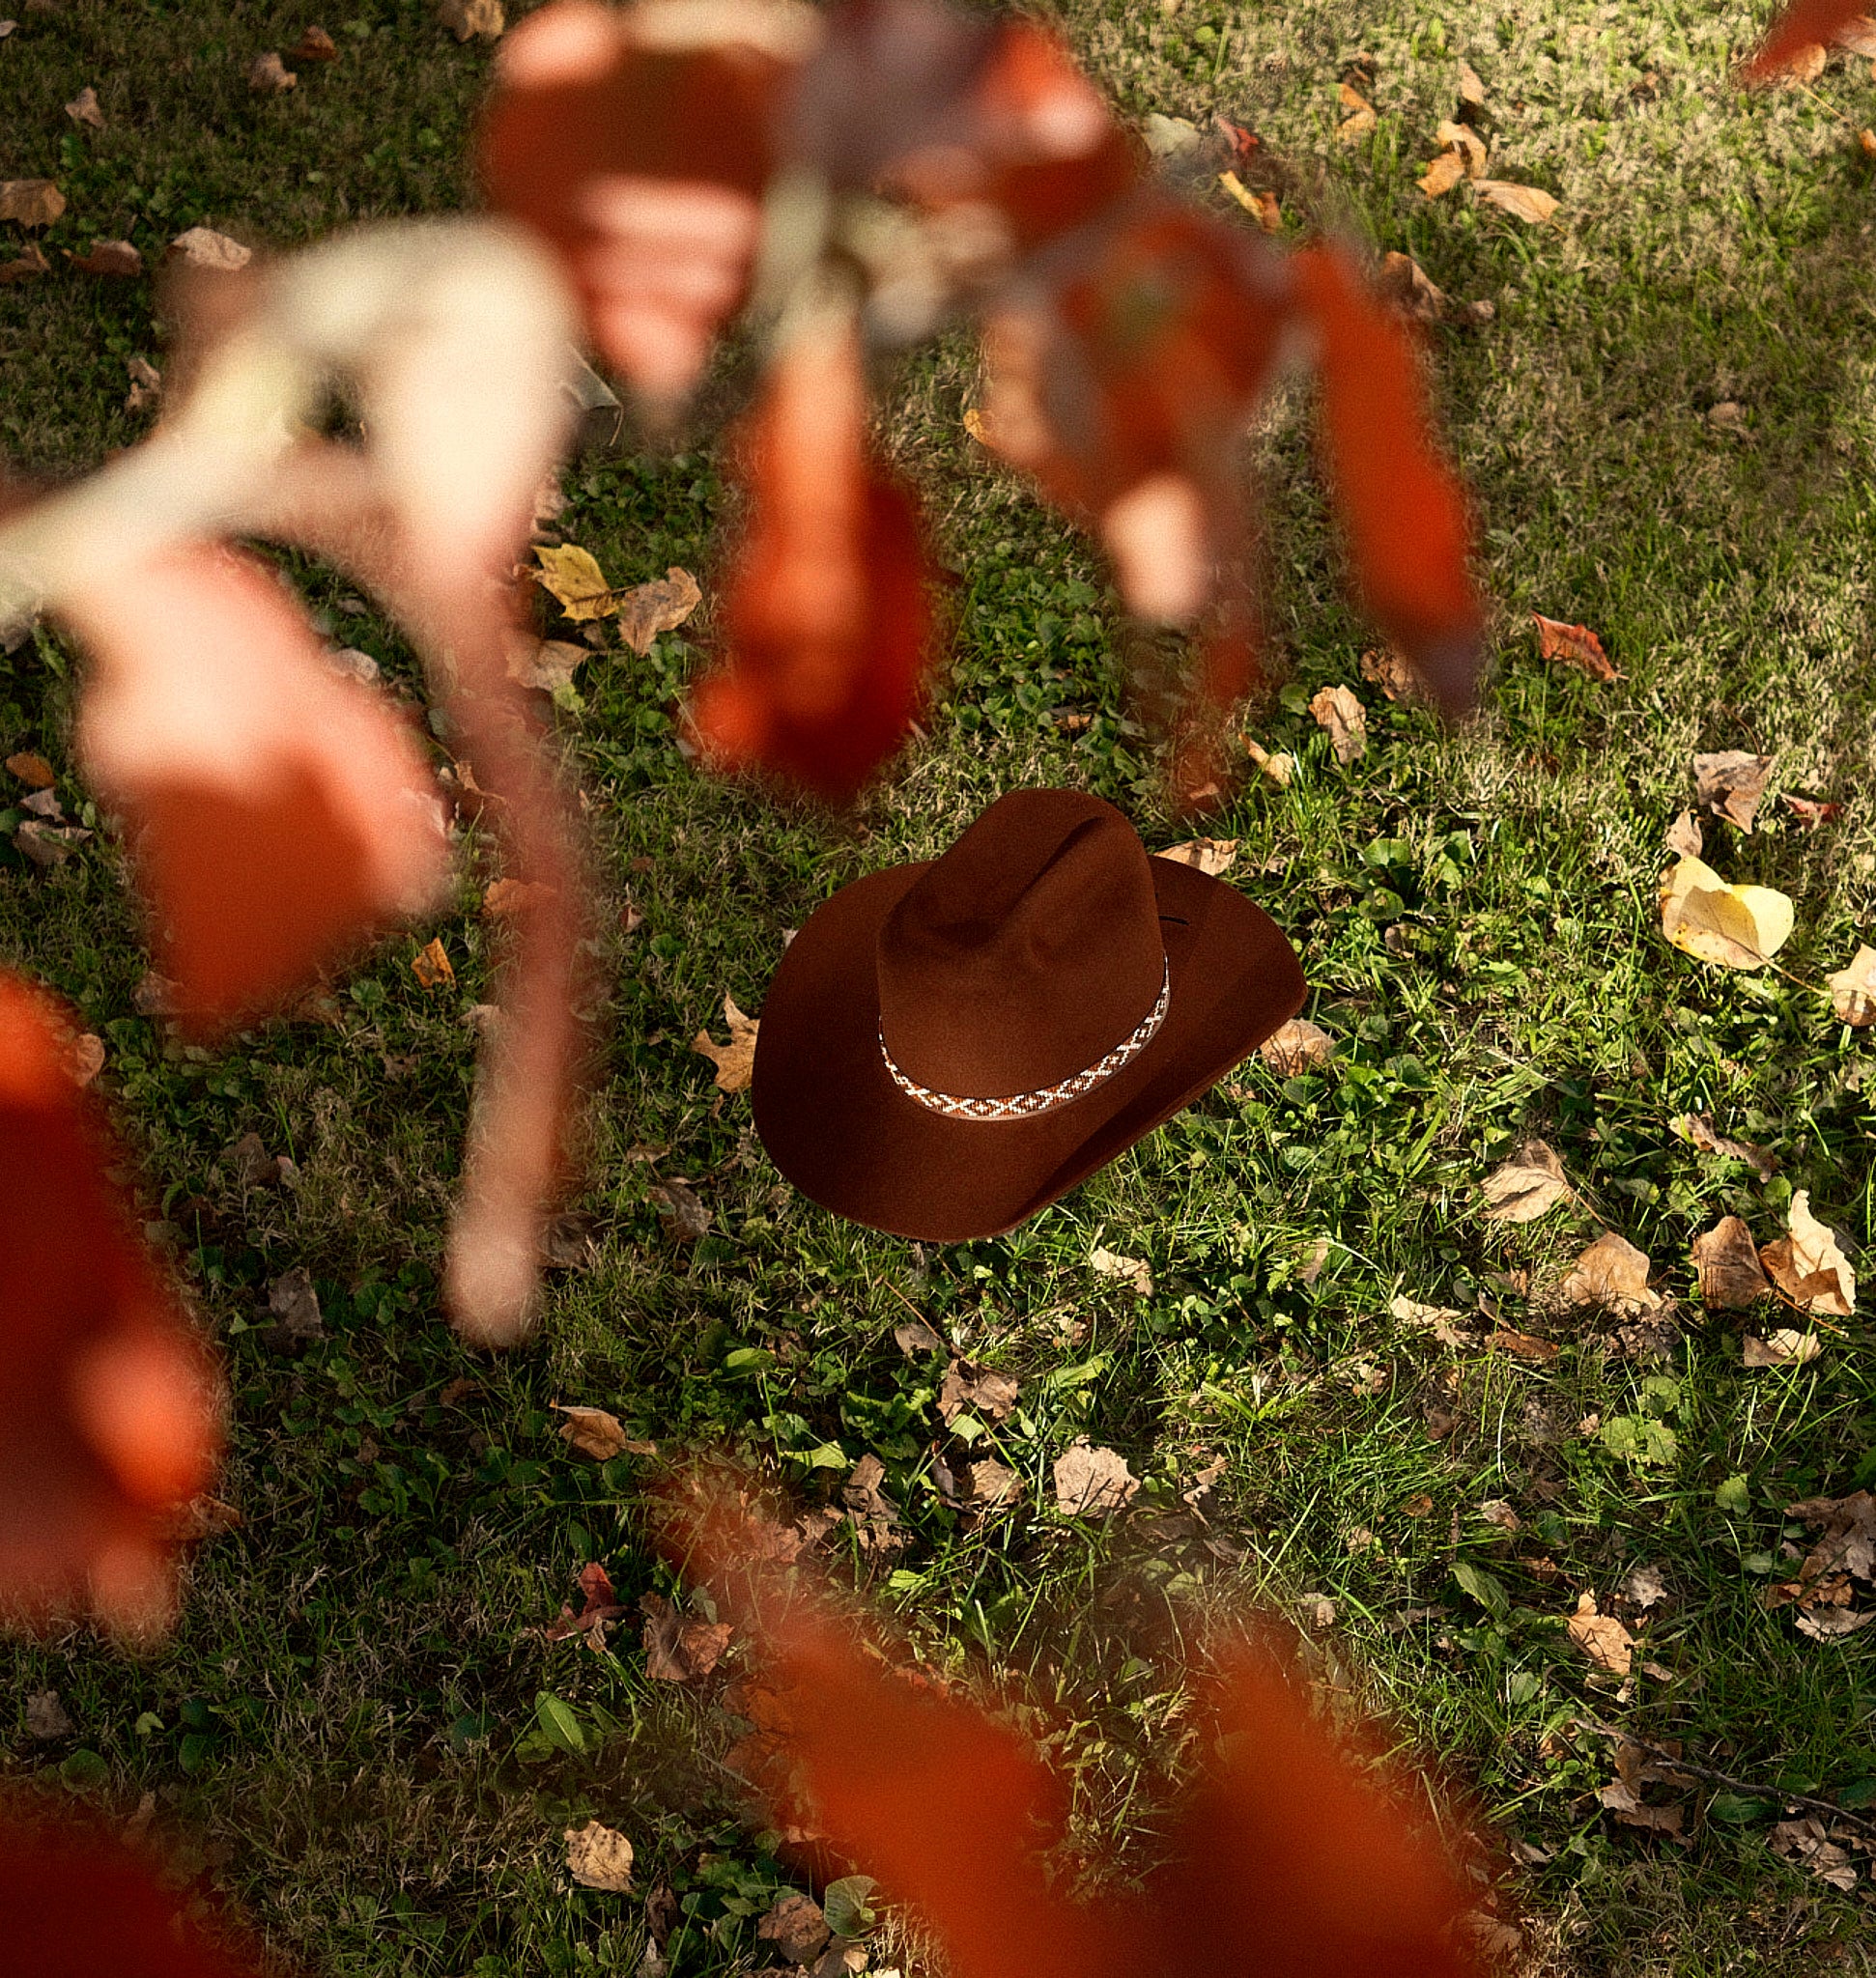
pixel 1045 1098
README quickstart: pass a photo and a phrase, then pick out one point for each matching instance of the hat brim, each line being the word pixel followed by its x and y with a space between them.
pixel 839 1129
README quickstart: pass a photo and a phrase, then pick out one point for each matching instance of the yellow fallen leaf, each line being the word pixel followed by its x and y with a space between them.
pixel 1446 172
pixel 1463 138
pixel 1736 926
pixel 572 577
pixel 1852 989
pixel 30 202
pixel 1526 203
pixel 1807 1266
pixel 735 1061
pixel 432 966
pixel 662 605
pixel 1346 720
pixel 1601 1637
pixel 1214 857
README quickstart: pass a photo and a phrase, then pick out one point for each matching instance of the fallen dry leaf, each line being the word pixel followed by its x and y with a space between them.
pixel 203 248
pixel 146 383
pixel 1343 716
pixel 1601 1637
pixel 1470 89
pixel 545 664
pixel 1783 1348
pixel 267 75
pixel 1296 1047
pixel 1726 1261
pixel 30 202
pixel 1446 172
pixel 1262 207
pixel 1628 1806
pixel 592 1432
pixel 1279 767
pixel 796 1926
pixel 1809 811
pixel 47 1718
pixel 1698 1127
pixel 1358 115
pixel 1090 1481
pixel 1852 989
pixel 915 1337
pixel 1845 1551
pixel 431 966
pixel 1388 669
pixel 508 899
pixel 1856 36
pixel 989 1483
pixel 1416 296
pixel 117 258
pixel 293 1302
pixel 677 1650
pixel 1442 1321
pixel 34 771
pixel 25 266
pixel 684 1217
pixel 1576 645
pixel 1807 1265
pixel 1685 837
pixel 1731 782
pixel 1525 203
pixel 1523 1345
pixel 1808 1842
pixel 1463 139
pixel 1736 926
pixel 84 1056
pixel 1611 1273
pixel 314 45
pixel 203 1518
pixel 83 109
pixel 1130 1271
pixel 599 1857
pixel 466 18
pixel 987 1394
pixel 1212 857
pixel 1802 66
pixel 735 1061
pixel 572 577
pixel 649 609
pixel 1528 1185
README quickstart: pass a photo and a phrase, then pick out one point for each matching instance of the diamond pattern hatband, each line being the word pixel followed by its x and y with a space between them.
pixel 1028 1105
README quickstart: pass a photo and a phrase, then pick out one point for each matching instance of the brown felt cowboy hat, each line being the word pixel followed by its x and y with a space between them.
pixel 948 1047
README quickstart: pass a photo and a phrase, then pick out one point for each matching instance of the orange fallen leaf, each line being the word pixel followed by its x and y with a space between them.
pixel 432 966
pixel 1358 118
pixel 593 1432
pixel 314 45
pixel 1523 1346
pixel 1601 1637
pixel 1611 1273
pixel 1576 645
pixel 506 899
pixel 1296 1047
pixel 34 771
pixel 1527 203
pixel 30 202
pixel 109 257
pixel 1463 139
pixel 25 265
pixel 1726 1261
pixel 1446 172
pixel 735 1061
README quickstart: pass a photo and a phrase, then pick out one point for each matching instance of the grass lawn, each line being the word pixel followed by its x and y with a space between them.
pixel 346 1732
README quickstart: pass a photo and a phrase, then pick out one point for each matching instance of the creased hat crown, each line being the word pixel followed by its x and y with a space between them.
pixel 1026 954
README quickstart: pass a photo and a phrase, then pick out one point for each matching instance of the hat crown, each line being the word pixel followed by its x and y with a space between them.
pixel 1026 954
